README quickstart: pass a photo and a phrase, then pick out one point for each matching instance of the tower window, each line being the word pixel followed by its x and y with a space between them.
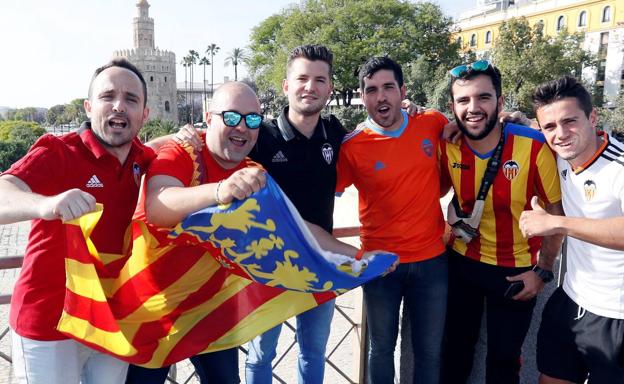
pixel 167 109
pixel 165 79
pixel 151 78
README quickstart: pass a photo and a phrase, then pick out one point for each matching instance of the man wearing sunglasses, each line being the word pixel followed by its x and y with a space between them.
pixel 495 170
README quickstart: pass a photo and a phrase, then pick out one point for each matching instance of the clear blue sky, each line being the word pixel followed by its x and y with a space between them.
pixel 51 47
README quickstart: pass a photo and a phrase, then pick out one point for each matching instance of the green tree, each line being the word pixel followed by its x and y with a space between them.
pixel 612 119
pixel 212 50
pixel 156 128
pixel 18 130
pixel 55 114
pixel 236 57
pixel 203 62
pixel 10 152
pixel 358 30
pixel 527 57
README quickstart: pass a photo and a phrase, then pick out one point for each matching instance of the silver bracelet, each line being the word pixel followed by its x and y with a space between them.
pixel 219 202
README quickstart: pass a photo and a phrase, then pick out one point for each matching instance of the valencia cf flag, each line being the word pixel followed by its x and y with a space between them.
pixel 218 279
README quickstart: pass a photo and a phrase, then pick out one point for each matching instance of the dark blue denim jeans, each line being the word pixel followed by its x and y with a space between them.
pixel 212 368
pixel 423 287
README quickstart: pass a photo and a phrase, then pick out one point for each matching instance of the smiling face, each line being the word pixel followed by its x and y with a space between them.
pixel 569 131
pixel 116 108
pixel 382 97
pixel 230 145
pixel 307 86
pixel 475 106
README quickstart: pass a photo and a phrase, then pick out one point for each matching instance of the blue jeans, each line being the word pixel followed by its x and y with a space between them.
pixel 216 367
pixel 423 286
pixel 313 329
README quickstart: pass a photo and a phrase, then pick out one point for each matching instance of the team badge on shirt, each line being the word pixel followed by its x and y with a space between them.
pixel 328 152
pixel 427 147
pixel 590 189
pixel 511 169
pixel 564 174
pixel 136 172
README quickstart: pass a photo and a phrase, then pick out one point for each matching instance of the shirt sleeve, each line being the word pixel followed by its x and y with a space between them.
pixel 344 170
pixel 42 168
pixel 548 186
pixel 172 160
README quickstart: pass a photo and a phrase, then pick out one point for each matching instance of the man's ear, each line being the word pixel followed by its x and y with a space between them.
pixel 285 87
pixel 87 106
pixel 593 118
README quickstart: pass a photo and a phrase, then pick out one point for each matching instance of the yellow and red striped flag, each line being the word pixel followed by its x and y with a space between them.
pixel 221 277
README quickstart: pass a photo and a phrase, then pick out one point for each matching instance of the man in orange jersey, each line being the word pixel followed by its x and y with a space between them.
pixel 490 262
pixel 391 159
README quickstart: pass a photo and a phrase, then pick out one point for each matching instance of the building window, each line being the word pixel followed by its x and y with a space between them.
pixel 151 78
pixel 473 40
pixel 582 22
pixel 488 37
pixel 167 109
pixel 606 14
pixel 604 45
pixel 459 41
pixel 560 23
pixel 165 79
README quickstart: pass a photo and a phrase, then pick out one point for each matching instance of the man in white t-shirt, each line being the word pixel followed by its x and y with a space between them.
pixel 582 329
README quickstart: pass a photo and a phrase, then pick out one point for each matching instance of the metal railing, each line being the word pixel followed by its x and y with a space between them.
pixel 356 328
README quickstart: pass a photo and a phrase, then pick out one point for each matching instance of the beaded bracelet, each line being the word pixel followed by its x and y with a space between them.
pixel 219 202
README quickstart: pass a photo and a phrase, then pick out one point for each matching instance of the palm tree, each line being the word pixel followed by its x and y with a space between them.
pixel 183 62
pixel 212 50
pixel 237 56
pixel 204 61
pixel 193 56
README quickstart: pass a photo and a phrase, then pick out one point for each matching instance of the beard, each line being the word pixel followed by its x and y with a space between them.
pixel 489 126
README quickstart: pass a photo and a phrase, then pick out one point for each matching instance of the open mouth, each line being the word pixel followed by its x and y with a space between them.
pixel 238 141
pixel 475 118
pixel 383 110
pixel 117 123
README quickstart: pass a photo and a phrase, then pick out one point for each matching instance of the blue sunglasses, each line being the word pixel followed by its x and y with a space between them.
pixel 233 118
pixel 464 70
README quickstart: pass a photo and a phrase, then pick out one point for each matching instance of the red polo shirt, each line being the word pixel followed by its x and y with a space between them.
pixel 54 165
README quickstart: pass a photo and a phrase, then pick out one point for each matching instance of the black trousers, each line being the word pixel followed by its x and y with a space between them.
pixel 473 287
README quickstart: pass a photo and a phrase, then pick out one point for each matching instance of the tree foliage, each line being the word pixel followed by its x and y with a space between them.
pixel 73 112
pixel 354 31
pixel 10 152
pixel 16 136
pixel 612 120
pixel 157 128
pixel 527 57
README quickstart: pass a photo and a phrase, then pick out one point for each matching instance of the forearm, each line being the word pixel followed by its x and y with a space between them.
pixel 602 232
pixel 17 202
pixel 167 206
pixel 330 243
pixel 158 142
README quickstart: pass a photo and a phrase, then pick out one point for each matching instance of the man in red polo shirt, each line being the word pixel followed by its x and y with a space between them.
pixel 60 179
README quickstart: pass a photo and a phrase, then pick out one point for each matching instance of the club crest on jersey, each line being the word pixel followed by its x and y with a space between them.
pixel 590 189
pixel 328 152
pixel 427 147
pixel 564 174
pixel 511 169
pixel 136 172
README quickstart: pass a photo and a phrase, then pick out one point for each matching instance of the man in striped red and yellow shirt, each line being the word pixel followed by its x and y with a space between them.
pixel 482 270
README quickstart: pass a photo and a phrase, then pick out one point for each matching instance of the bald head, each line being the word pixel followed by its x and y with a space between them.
pixel 228 144
pixel 235 96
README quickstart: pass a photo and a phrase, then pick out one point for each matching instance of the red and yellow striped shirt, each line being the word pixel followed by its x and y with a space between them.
pixel 528 168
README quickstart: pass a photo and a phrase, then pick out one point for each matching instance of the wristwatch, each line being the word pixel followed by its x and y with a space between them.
pixel 546 276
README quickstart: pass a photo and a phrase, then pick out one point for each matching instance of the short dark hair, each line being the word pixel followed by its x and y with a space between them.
pixel 378 63
pixel 491 71
pixel 555 90
pixel 121 63
pixel 312 52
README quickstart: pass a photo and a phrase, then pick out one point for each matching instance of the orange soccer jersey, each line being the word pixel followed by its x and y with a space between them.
pixel 398 180
pixel 528 168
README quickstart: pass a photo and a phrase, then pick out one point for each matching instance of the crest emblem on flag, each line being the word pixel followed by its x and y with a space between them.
pixel 328 152
pixel 590 189
pixel 511 169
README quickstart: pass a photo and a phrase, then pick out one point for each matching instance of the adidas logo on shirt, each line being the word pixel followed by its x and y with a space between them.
pixel 279 158
pixel 94 182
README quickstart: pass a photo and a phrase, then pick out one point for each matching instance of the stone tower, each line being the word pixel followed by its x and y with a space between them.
pixel 158 66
